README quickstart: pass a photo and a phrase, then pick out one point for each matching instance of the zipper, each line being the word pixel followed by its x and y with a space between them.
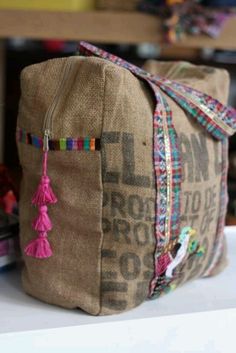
pixel 48 120
pixel 46 137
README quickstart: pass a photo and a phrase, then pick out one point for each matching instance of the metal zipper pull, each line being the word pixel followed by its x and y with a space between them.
pixel 46 140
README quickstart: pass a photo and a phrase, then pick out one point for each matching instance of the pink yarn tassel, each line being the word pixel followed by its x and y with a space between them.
pixel 42 223
pixel 39 248
pixel 44 194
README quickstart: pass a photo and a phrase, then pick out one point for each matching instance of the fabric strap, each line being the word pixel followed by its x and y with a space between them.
pixel 219 120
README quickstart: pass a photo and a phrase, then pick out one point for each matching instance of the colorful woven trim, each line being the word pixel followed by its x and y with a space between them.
pixel 217 119
pixel 167 165
pixel 208 118
pixel 63 144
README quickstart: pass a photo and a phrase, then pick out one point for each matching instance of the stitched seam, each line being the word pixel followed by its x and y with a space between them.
pixel 102 235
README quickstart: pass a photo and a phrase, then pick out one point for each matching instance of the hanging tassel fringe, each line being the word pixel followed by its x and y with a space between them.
pixel 44 194
pixel 42 223
pixel 40 248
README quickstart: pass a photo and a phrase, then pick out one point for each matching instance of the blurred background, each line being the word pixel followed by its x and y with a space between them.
pixel 31 31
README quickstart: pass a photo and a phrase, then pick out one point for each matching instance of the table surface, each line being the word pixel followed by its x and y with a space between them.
pixel 20 313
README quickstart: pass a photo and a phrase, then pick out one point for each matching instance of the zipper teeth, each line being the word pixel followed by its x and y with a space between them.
pixel 48 120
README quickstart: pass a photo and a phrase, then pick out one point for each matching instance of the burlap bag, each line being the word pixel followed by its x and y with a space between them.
pixel 103 237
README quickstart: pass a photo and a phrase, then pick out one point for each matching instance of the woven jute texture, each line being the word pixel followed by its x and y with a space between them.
pixel 103 223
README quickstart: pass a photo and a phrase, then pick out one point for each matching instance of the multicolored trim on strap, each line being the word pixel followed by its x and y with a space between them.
pixel 208 118
pixel 62 144
pixel 167 166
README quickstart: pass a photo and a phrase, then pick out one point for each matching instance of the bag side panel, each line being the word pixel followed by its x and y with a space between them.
pixel 71 277
pixel 129 192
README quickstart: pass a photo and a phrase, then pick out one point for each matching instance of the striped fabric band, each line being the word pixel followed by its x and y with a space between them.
pixel 167 165
pixel 62 144
pixel 217 119
pixel 222 113
pixel 201 112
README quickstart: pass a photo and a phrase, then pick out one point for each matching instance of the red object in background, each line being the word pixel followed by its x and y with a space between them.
pixel 53 45
pixel 8 193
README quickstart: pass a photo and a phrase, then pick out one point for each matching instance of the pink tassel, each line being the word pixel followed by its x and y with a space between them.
pixel 39 248
pixel 44 194
pixel 42 223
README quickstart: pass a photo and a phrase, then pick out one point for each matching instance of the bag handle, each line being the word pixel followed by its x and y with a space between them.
pixel 218 119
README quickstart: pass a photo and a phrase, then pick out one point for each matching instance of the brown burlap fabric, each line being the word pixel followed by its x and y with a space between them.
pixel 103 236
pixel 201 156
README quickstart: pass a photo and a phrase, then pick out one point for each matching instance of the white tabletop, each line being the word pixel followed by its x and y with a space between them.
pixel 198 317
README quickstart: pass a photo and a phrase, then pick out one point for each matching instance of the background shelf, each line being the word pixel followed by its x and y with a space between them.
pixel 105 27
pixel 102 26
